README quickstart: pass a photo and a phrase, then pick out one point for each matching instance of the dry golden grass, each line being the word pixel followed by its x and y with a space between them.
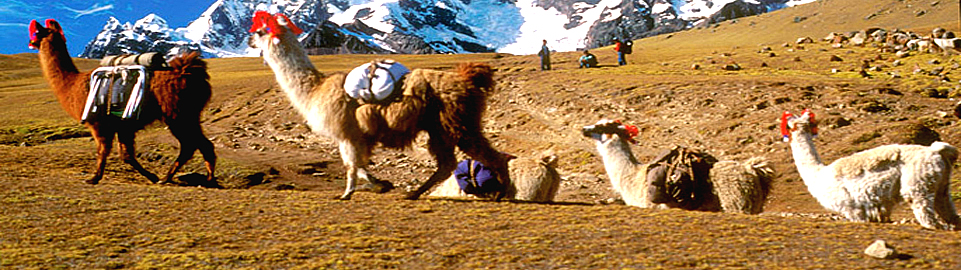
pixel 277 210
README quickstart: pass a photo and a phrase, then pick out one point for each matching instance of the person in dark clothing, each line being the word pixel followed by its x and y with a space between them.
pixel 619 48
pixel 588 60
pixel 545 54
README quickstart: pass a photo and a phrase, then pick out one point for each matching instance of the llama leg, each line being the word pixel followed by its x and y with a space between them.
pixel 944 207
pixel 104 143
pixel 355 161
pixel 128 154
pixel 210 157
pixel 922 200
pixel 191 138
pixel 446 162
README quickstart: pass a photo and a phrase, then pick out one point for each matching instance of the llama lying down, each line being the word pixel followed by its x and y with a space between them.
pixel 447 105
pixel 731 187
pixel 865 186
pixel 533 179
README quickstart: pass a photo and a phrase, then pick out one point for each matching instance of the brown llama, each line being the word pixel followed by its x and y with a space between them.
pixel 447 105
pixel 177 96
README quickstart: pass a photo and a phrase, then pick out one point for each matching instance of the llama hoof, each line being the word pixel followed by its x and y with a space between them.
pixel 342 198
pixel 93 181
pixel 154 179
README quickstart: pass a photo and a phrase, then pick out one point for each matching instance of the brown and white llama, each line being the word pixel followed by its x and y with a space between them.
pixel 177 96
pixel 532 179
pixel 447 105
pixel 736 187
pixel 866 186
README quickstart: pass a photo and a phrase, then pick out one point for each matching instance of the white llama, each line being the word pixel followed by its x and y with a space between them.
pixel 735 187
pixel 866 185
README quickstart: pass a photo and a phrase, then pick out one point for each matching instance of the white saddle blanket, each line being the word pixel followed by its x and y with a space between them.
pixel 374 84
pixel 116 91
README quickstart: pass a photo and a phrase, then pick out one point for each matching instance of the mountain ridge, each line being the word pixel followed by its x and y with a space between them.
pixel 418 26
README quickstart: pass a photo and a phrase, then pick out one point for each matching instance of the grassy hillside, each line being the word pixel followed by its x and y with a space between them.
pixel 276 209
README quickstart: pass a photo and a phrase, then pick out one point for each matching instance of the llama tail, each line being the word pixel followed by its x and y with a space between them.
pixel 481 75
pixel 765 174
pixel 185 90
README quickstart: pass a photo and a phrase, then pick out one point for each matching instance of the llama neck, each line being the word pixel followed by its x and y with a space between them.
pixel 806 157
pixel 57 65
pixel 63 76
pixel 295 73
pixel 619 161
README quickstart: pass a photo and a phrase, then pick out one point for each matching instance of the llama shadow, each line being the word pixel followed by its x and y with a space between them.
pixel 195 180
pixel 467 200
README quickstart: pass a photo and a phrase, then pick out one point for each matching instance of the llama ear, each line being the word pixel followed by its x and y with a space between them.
pixel 283 20
pixel 813 121
pixel 54 26
pixel 785 133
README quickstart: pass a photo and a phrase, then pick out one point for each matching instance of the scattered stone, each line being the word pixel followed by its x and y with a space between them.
pixel 889 91
pixel 695 67
pixel 937 71
pixel 771 54
pixel 881 250
pixel 804 40
pixel 763 64
pixel 932 92
pixel 934 61
pixel 797 59
pixel 835 58
pixel 902 54
pixel 841 122
pixel 897 63
pixel 732 67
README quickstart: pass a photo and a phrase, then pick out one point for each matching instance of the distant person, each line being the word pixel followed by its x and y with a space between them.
pixel 545 54
pixel 588 60
pixel 622 49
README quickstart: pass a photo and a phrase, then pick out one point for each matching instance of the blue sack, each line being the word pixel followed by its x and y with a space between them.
pixel 476 179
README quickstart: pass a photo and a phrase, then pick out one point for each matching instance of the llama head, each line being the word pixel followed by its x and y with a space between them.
pixel 269 29
pixel 805 123
pixel 51 32
pixel 604 130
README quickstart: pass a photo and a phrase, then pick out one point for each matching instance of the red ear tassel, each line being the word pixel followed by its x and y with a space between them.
pixel 258 20
pixel 785 135
pixel 50 25
pixel 33 33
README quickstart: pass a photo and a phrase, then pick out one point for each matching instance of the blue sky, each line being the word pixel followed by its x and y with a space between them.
pixel 82 20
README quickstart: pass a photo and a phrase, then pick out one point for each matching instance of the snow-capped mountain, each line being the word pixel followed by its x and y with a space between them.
pixel 150 34
pixel 428 26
